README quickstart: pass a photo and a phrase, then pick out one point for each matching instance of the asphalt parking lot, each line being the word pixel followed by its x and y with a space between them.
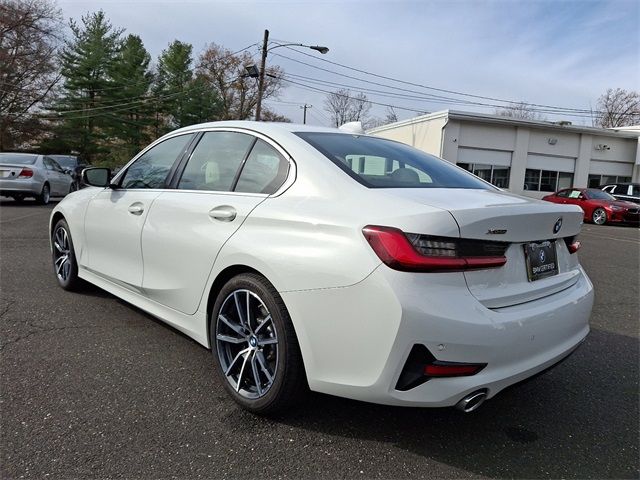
pixel 92 387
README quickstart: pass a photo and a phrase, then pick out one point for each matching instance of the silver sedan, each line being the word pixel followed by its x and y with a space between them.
pixel 30 175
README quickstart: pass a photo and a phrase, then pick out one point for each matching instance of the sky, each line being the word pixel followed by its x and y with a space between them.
pixel 559 53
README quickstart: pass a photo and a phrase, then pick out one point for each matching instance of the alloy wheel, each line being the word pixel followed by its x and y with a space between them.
pixel 599 216
pixel 46 194
pixel 247 344
pixel 62 250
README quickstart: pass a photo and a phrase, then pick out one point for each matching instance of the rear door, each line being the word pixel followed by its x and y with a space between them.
pixel 115 217
pixel 227 175
pixel 55 182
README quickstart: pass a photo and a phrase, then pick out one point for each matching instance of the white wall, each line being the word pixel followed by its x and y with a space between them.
pixel 459 140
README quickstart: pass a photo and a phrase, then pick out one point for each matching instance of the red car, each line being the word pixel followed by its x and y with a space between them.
pixel 599 207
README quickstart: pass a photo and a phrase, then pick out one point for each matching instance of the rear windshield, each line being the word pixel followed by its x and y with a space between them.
pixel 17 159
pixel 380 163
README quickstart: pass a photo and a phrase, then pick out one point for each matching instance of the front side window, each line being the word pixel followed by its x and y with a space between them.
pixel 264 171
pixel 380 163
pixel 152 168
pixel 215 161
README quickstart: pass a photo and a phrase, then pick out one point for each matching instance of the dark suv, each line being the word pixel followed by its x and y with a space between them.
pixel 73 165
pixel 624 191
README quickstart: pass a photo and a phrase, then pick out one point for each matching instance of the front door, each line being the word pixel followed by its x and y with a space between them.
pixel 115 217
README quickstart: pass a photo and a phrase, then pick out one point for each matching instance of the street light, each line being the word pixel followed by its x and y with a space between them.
pixel 266 50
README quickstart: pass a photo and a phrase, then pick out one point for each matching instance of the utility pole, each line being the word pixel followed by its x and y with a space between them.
pixel 263 63
pixel 304 118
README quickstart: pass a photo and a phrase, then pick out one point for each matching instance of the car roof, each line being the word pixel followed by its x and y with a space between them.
pixel 262 127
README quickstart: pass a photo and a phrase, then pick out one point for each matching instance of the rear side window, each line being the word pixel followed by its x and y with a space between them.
pixel 380 163
pixel 215 161
pixel 264 171
pixel 151 169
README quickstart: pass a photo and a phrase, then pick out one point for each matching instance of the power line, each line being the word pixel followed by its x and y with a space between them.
pixel 567 109
pixel 387 94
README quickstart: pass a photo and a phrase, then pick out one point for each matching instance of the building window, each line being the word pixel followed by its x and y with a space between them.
pixel 494 174
pixel 596 180
pixel 547 180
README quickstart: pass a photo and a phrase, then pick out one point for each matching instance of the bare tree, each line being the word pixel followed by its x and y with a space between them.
pixel 29 37
pixel 226 74
pixel 521 110
pixel 345 107
pixel 390 117
pixel 618 108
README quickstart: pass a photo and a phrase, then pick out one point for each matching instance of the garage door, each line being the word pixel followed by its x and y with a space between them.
pixel 621 169
pixel 486 157
pixel 554 164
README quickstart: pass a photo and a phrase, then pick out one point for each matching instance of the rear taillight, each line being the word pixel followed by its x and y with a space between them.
pixel 573 245
pixel 26 173
pixel 423 253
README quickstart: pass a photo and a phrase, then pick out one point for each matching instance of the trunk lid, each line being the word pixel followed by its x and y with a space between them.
pixel 11 172
pixel 495 215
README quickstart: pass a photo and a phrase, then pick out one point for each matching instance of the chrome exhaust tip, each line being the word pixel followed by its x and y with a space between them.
pixel 472 401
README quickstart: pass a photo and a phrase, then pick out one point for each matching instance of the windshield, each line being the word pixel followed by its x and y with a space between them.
pixel 380 163
pixel 595 194
pixel 65 161
pixel 17 159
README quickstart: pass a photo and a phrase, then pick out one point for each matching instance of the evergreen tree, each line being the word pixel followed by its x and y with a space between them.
pixel 202 103
pixel 131 80
pixel 173 80
pixel 88 94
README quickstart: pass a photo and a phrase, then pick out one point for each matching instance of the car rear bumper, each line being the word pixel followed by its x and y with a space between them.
pixel 20 186
pixel 355 340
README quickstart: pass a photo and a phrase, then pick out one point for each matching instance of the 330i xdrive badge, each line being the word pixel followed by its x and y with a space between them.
pixel 316 258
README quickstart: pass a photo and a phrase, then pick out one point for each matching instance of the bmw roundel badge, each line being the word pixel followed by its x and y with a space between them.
pixel 558 225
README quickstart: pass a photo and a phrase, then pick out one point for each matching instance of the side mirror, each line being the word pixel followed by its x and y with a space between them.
pixel 96 176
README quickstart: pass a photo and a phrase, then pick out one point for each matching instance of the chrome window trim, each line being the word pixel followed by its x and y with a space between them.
pixel 291 175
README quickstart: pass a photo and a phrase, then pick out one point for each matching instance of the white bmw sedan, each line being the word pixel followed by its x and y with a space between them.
pixel 315 258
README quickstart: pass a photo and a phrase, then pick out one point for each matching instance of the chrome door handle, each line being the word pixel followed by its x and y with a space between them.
pixel 136 208
pixel 224 213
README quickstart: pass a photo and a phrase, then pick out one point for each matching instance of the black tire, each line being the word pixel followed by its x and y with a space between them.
pixel 19 198
pixel 67 273
pixel 45 195
pixel 73 187
pixel 599 216
pixel 289 382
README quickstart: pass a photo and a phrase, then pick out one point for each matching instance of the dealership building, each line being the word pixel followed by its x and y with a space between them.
pixel 526 157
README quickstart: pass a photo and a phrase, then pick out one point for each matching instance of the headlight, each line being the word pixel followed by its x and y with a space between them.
pixel 616 208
